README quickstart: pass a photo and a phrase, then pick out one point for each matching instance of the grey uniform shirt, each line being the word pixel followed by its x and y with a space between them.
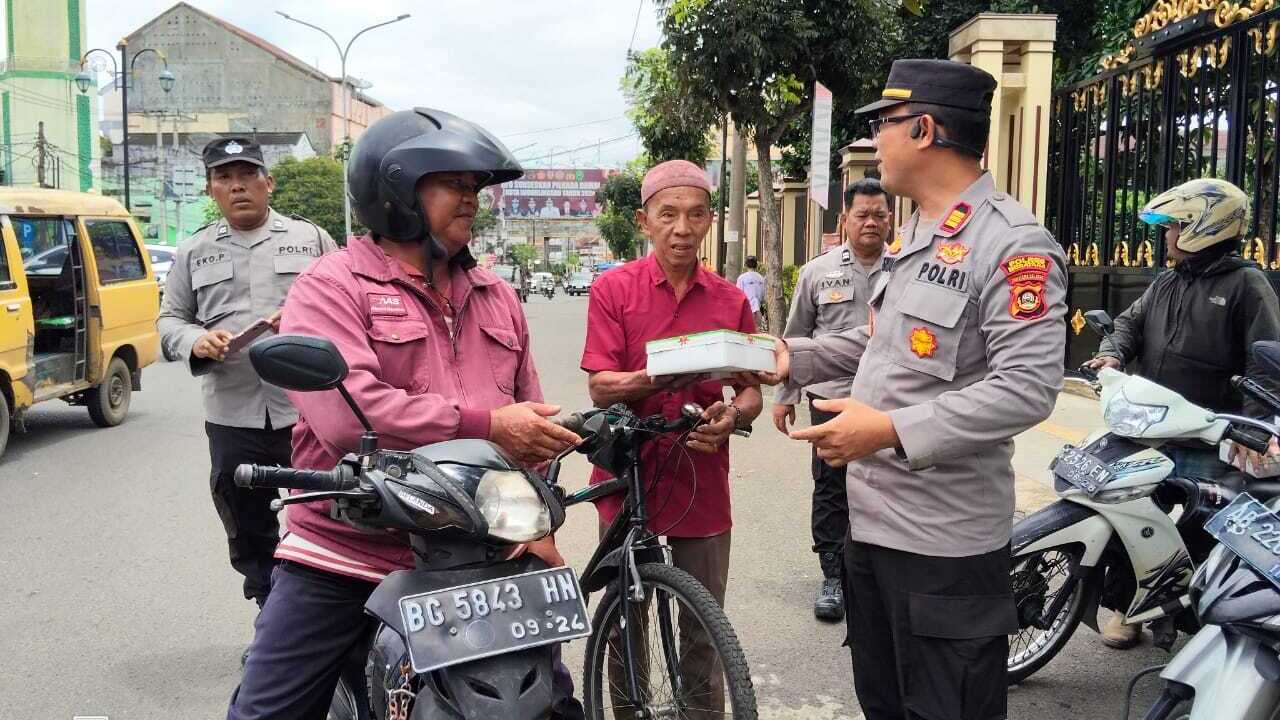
pixel 224 279
pixel 965 350
pixel 831 296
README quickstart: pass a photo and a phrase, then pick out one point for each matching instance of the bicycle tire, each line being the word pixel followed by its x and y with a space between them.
pixel 737 675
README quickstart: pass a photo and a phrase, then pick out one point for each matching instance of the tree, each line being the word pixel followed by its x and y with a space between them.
pixel 620 196
pixel 758 60
pixel 672 124
pixel 486 219
pixel 312 188
pixel 523 254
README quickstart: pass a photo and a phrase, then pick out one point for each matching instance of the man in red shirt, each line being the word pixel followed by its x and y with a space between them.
pixel 667 294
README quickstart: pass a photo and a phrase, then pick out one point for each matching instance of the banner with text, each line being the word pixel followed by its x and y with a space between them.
pixel 549 193
pixel 820 159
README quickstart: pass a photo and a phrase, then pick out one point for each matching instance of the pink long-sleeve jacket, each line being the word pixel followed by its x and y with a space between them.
pixel 416 379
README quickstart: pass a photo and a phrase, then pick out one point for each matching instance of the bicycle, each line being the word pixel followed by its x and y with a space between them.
pixel 633 568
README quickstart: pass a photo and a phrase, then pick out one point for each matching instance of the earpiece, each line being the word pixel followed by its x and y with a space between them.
pixel 916 130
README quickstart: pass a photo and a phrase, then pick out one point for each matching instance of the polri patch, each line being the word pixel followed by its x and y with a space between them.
pixel 956 219
pixel 923 342
pixel 952 252
pixel 387 305
pixel 1027 276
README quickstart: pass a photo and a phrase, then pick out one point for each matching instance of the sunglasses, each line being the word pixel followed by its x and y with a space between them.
pixel 880 122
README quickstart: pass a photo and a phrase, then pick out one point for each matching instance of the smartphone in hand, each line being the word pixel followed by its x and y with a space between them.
pixel 248 335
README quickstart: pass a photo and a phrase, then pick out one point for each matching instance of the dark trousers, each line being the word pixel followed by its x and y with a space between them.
pixel 928 635
pixel 830 514
pixel 311 623
pixel 252 528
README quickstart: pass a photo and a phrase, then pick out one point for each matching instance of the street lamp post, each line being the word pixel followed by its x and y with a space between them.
pixel 346 103
pixel 84 79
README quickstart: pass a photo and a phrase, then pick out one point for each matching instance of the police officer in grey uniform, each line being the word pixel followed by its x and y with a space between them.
pixel 964 350
pixel 228 275
pixel 831 296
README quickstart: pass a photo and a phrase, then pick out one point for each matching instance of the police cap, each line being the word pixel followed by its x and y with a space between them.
pixel 937 82
pixel 233 149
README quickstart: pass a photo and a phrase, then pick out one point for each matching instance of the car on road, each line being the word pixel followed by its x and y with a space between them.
pixel 579 283
pixel 80 301
pixel 516 277
pixel 544 283
pixel 161 260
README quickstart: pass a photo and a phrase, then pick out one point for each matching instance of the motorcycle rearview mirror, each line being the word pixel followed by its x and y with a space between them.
pixel 299 362
pixel 1100 321
pixel 303 363
pixel 1267 353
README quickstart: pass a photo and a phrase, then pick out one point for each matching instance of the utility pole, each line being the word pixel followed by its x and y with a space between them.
pixel 42 155
pixel 737 239
pixel 163 233
pixel 177 223
pixel 721 251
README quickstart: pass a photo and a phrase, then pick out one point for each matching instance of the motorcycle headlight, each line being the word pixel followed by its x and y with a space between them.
pixel 512 506
pixel 1132 419
pixel 1120 495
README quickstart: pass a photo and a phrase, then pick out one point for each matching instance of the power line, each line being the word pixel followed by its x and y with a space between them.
pixel 565 127
pixel 634 27
pixel 581 147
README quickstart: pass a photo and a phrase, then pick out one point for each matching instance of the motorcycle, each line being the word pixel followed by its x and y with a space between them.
pixel 1230 669
pixel 1126 532
pixel 469 632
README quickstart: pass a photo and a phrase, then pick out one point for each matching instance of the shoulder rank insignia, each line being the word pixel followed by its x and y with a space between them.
pixel 894 246
pixel 923 342
pixel 277 224
pixel 955 219
pixel 952 252
pixel 223 230
pixel 1027 275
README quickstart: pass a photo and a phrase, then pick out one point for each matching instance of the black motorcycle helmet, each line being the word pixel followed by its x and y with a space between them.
pixel 394 154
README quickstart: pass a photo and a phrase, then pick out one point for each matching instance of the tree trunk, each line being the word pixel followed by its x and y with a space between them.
pixel 772 238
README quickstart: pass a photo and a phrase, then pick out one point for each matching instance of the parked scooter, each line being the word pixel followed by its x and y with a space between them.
pixel 1126 532
pixel 1230 670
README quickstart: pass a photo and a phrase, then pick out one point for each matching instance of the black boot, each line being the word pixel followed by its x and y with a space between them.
pixel 830 602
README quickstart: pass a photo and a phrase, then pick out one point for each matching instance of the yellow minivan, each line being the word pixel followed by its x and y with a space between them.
pixel 78 305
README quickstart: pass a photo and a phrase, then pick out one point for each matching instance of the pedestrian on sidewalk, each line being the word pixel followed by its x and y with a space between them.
pixel 228 275
pixel 831 296
pixel 751 283
pixel 669 293
pixel 963 351
pixel 1192 328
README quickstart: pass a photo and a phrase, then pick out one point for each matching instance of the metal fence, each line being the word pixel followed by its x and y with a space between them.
pixel 1199 97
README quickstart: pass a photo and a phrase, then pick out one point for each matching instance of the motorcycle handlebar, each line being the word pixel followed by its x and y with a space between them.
pixel 1252 438
pixel 267 476
pixel 1255 390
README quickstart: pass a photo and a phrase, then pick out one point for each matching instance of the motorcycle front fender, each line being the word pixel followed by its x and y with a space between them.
pixel 1063 523
pixel 1221 667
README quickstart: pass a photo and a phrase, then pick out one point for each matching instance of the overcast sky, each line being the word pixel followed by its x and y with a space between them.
pixel 517 67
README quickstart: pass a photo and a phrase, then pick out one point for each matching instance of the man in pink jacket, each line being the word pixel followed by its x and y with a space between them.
pixel 437 348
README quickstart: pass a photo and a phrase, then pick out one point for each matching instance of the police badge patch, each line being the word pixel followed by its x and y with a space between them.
pixel 923 342
pixel 1026 275
pixel 952 252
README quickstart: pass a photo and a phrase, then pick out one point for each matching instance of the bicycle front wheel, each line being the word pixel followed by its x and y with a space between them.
pixel 686 659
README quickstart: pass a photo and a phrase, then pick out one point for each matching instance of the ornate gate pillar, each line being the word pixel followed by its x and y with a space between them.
pixel 1017 50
